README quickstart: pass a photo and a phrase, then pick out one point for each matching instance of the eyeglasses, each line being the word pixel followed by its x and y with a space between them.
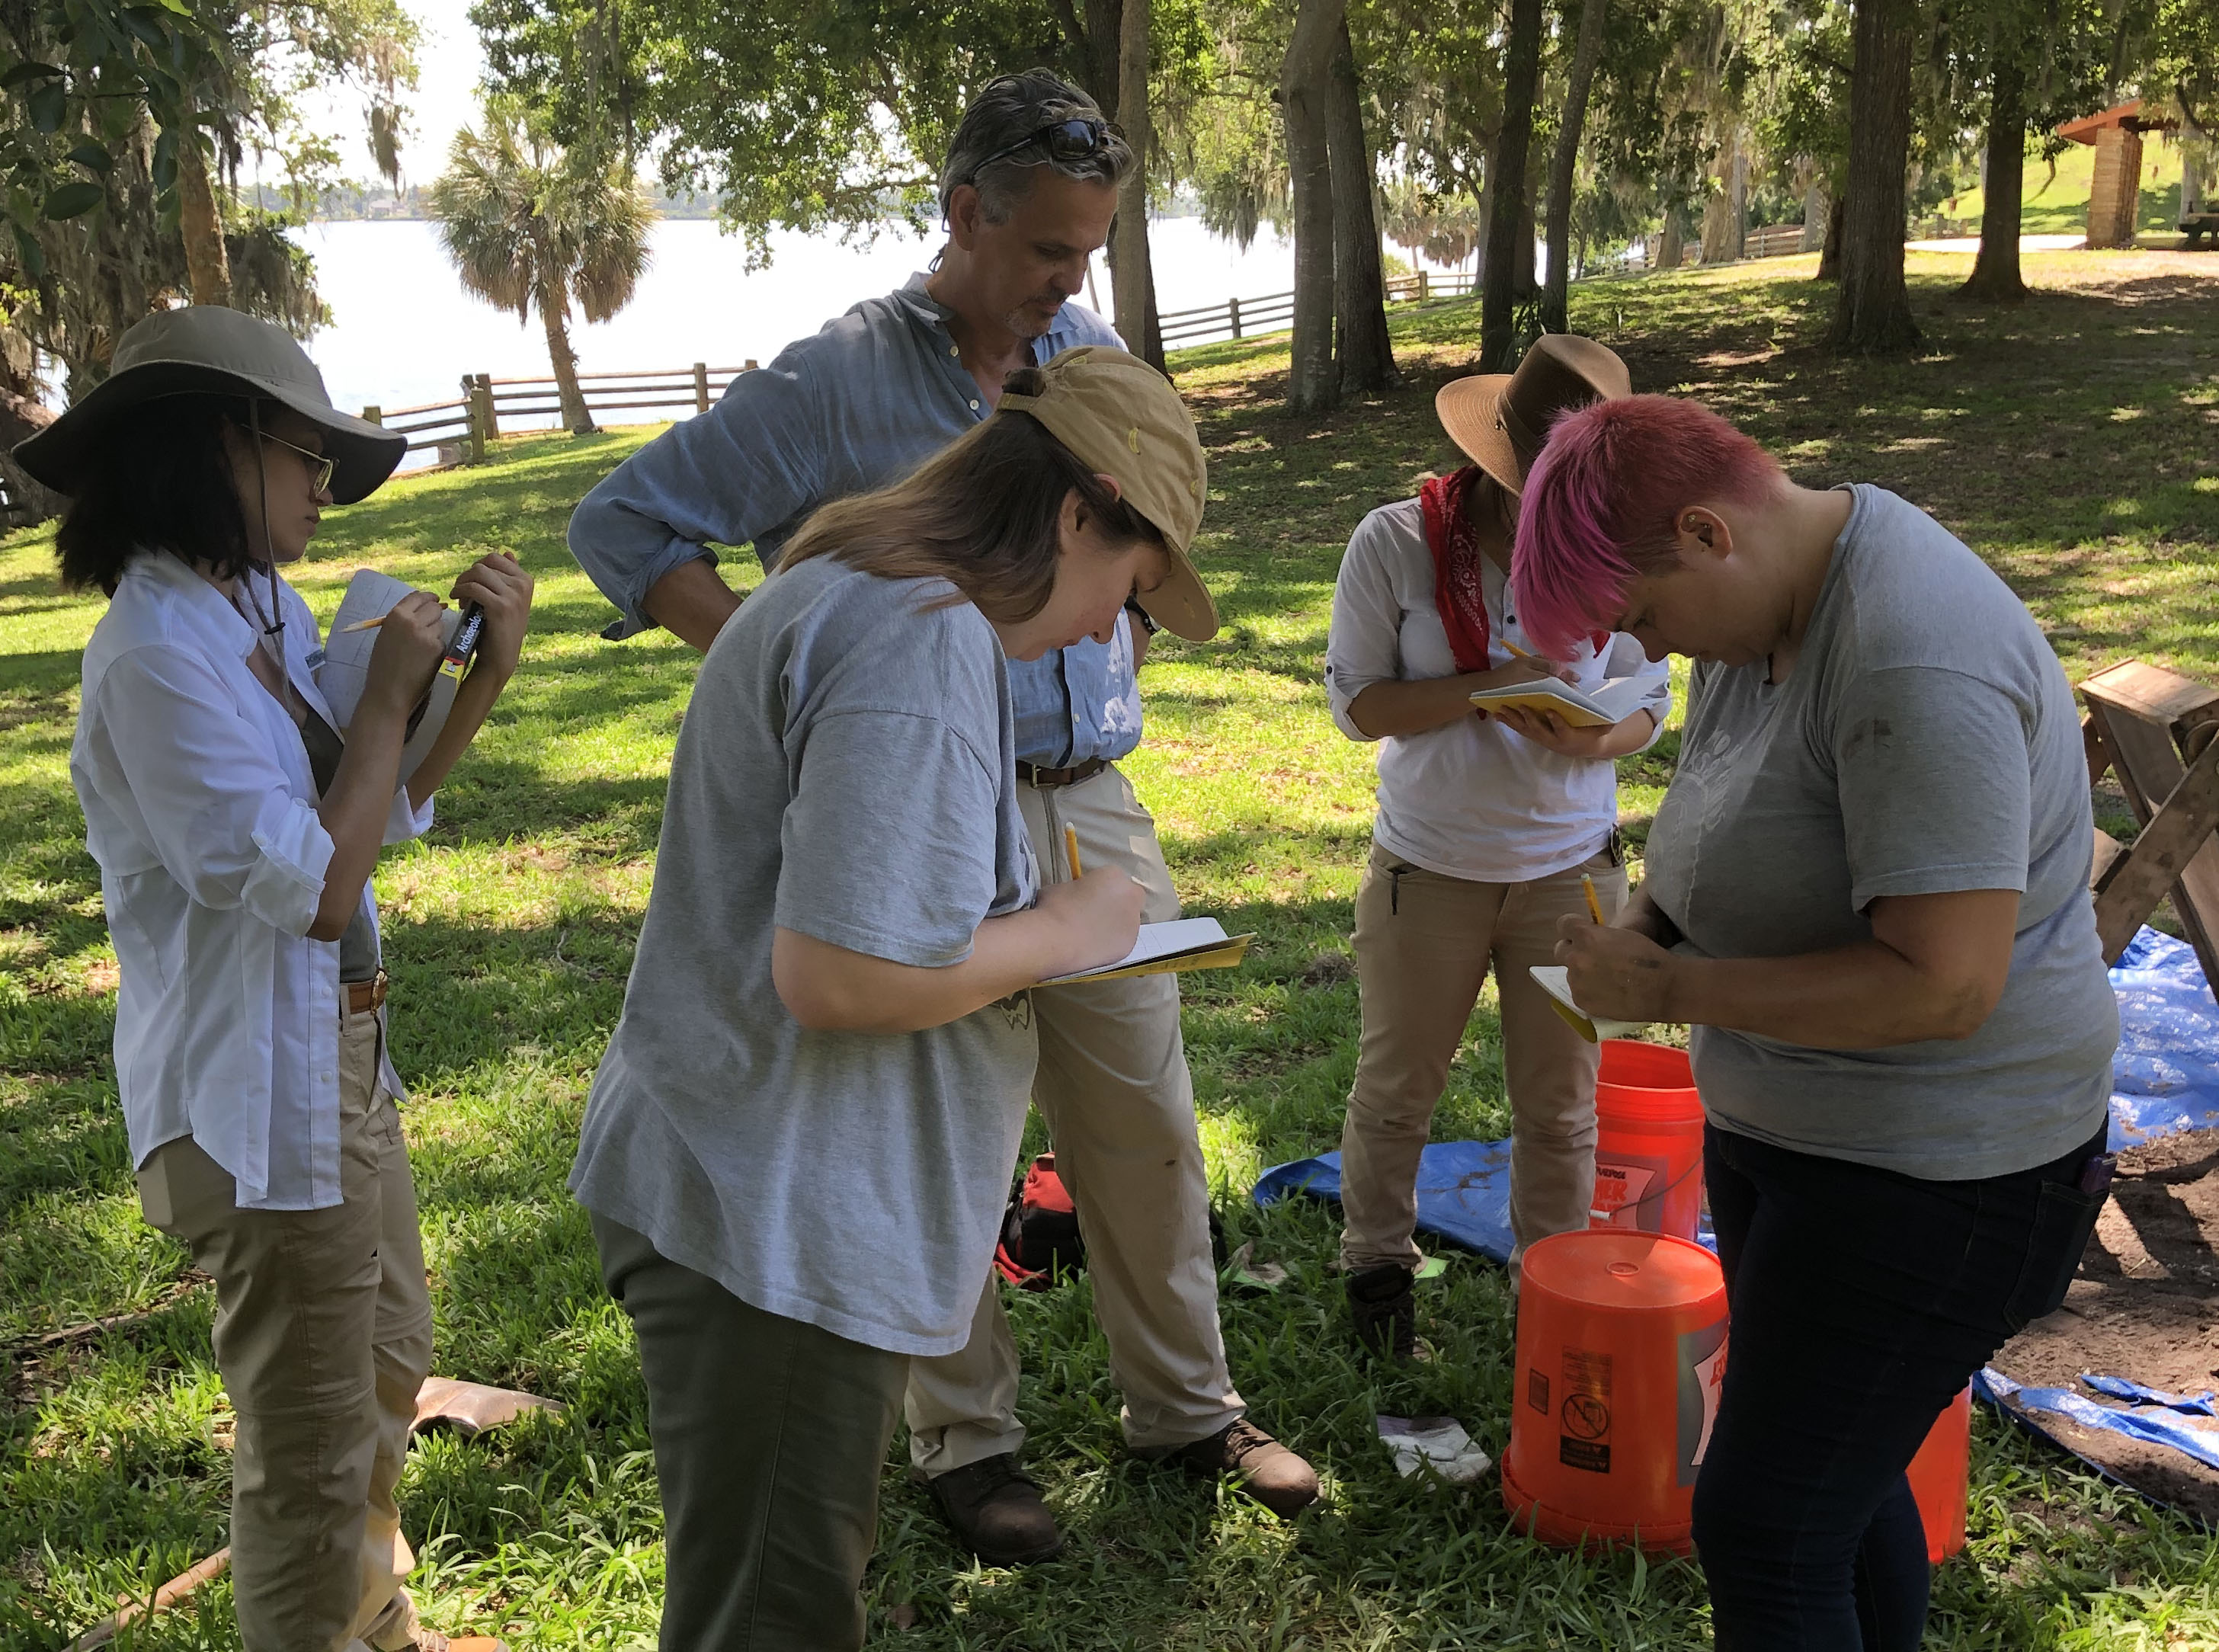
pixel 1072 139
pixel 320 466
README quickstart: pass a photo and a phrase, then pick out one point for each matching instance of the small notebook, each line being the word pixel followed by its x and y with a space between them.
pixel 345 668
pixel 1169 948
pixel 1552 979
pixel 1583 708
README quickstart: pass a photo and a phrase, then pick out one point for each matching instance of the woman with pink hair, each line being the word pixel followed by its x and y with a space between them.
pixel 1867 891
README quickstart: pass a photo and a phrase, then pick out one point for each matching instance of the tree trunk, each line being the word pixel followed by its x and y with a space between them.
pixel 1829 253
pixel 1506 189
pixel 1817 213
pixel 1872 313
pixel 1131 279
pixel 1306 97
pixel 1738 236
pixel 554 312
pixel 1564 164
pixel 1363 352
pixel 1995 278
pixel 207 262
pixel 1671 241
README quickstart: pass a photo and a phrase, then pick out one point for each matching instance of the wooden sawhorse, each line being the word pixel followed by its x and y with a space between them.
pixel 2154 730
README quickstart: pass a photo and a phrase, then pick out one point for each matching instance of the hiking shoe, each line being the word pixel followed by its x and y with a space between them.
pixel 1265 1470
pixel 994 1508
pixel 1385 1311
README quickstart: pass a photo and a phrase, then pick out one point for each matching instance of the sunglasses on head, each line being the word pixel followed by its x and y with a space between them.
pixel 1072 139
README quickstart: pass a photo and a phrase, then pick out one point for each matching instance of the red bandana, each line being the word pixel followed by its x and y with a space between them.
pixel 1457 592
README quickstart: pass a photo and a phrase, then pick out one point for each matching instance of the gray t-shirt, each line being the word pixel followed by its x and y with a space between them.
pixel 1924 742
pixel 845 770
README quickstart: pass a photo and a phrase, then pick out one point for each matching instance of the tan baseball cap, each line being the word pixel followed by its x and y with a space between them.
pixel 1124 419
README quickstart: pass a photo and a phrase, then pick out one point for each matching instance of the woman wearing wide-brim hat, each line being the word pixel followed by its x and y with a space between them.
pixel 1486 823
pixel 236 831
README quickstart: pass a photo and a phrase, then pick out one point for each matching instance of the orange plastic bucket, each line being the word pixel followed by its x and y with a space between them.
pixel 1941 1478
pixel 1621 1349
pixel 1648 1140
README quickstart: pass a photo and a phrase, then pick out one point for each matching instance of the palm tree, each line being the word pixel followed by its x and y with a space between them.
pixel 529 226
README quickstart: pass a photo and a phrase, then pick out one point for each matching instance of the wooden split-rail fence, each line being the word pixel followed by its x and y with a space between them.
pixel 461 428
pixel 1244 318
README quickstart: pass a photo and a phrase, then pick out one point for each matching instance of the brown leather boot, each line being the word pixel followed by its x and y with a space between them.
pixel 1265 1470
pixel 994 1508
pixel 1382 1302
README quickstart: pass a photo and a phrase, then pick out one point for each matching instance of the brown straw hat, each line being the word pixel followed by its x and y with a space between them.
pixel 1124 419
pixel 209 350
pixel 1501 420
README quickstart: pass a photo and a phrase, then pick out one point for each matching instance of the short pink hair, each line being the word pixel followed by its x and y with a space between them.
pixel 1599 505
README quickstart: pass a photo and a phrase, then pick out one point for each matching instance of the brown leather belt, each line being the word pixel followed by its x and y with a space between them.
pixel 1029 775
pixel 362 996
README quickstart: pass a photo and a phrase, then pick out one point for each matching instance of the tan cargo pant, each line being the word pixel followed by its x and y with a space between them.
pixel 323 1334
pixel 1114 1087
pixel 1424 944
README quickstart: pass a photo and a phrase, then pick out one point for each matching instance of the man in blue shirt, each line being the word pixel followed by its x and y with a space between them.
pixel 1027 191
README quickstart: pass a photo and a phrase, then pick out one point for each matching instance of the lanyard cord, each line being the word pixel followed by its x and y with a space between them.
pixel 272 627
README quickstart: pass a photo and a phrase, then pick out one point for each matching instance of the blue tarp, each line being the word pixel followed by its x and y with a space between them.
pixel 2165 1077
pixel 2166 1080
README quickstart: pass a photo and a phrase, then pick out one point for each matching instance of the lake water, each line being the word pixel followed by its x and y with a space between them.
pixel 404 330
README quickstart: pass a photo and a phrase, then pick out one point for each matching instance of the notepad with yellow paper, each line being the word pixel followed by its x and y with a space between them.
pixel 1552 979
pixel 1171 948
pixel 1583 708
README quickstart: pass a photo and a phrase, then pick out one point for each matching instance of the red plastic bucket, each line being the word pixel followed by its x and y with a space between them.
pixel 1621 1349
pixel 1941 1478
pixel 1648 1140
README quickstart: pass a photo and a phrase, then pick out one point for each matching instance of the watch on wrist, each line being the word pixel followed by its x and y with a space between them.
pixel 1133 607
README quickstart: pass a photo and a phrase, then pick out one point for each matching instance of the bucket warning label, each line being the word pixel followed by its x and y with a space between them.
pixel 1583 1413
pixel 1537 1389
pixel 1629 1192
pixel 1702 1374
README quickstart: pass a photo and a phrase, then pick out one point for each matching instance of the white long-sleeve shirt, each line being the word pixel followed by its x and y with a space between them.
pixel 200 809
pixel 1471 800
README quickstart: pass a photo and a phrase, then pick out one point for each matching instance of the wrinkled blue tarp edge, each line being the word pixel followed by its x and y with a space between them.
pixel 1993 1388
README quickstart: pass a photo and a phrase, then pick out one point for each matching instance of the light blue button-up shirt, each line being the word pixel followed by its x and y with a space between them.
pixel 855 406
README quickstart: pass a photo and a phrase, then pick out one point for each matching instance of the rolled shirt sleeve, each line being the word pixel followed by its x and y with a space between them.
pixel 750 463
pixel 226 826
pixel 1624 657
pixel 1936 784
pixel 1364 645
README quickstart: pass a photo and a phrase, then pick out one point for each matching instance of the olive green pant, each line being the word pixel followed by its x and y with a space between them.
pixel 323 1334
pixel 770 1436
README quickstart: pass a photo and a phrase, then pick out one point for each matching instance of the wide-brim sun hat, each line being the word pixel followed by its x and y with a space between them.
pixel 1124 419
pixel 1500 420
pixel 205 349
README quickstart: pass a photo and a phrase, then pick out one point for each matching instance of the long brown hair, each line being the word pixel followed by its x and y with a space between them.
pixel 983 514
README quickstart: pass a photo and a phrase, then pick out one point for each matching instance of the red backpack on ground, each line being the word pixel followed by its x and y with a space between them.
pixel 1040 1230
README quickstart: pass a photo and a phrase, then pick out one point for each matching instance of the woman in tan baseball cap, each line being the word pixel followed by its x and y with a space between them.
pixel 1487 824
pixel 798 1144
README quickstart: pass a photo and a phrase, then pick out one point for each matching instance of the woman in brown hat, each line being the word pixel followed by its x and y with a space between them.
pixel 236 832
pixel 1486 823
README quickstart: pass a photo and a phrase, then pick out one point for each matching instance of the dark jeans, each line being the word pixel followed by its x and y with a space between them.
pixel 770 1436
pixel 1862 1300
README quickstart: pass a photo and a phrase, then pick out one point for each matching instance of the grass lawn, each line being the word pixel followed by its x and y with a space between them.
pixel 2075 442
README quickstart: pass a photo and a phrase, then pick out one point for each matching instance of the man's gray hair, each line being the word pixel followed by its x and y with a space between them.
pixel 1010 110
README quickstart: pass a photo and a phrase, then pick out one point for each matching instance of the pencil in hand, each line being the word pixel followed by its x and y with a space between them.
pixel 1071 851
pixel 368 624
pixel 1594 906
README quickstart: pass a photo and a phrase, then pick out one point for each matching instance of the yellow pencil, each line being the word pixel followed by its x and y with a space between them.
pixel 1521 652
pixel 368 624
pixel 1594 906
pixel 1071 852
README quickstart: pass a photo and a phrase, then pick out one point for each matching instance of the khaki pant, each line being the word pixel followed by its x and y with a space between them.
pixel 323 1334
pixel 770 1438
pixel 1424 944
pixel 1114 1087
